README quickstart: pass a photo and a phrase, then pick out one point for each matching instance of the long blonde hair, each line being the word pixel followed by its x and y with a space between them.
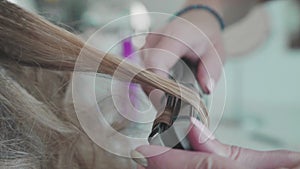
pixel 33 51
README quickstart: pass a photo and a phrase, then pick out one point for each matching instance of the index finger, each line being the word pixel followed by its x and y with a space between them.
pixel 179 159
pixel 200 141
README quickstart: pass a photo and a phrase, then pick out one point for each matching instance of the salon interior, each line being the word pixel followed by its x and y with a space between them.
pixel 255 104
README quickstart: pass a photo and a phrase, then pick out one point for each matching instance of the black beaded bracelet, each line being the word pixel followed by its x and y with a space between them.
pixel 203 7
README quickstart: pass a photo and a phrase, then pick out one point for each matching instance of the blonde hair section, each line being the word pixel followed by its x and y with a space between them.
pixel 31 40
pixel 38 129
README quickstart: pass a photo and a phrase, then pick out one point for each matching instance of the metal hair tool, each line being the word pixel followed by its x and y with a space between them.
pixel 171 126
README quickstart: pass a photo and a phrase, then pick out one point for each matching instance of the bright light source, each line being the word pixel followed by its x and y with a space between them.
pixel 140 19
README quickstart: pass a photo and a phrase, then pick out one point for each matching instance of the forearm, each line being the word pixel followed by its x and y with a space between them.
pixel 231 10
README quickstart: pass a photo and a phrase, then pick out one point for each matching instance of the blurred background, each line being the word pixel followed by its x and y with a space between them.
pixel 262 106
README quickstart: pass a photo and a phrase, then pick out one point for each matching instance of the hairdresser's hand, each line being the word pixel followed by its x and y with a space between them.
pixel 198 37
pixel 214 155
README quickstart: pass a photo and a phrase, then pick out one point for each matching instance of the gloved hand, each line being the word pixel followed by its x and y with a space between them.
pixel 211 154
pixel 197 37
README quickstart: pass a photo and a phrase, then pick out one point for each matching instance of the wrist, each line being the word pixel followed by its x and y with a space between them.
pixel 214 4
pixel 203 7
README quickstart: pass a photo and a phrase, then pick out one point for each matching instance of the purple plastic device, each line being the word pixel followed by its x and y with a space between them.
pixel 127 51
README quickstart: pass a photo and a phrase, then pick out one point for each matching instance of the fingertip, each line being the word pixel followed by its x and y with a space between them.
pixel 142 154
pixel 208 75
pixel 156 156
pixel 143 148
pixel 202 77
pixel 210 85
pixel 139 158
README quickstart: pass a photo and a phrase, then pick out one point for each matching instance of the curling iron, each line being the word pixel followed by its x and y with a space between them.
pixel 171 126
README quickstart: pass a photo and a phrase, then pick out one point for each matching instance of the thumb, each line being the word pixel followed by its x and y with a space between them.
pixel 201 139
pixel 156 157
